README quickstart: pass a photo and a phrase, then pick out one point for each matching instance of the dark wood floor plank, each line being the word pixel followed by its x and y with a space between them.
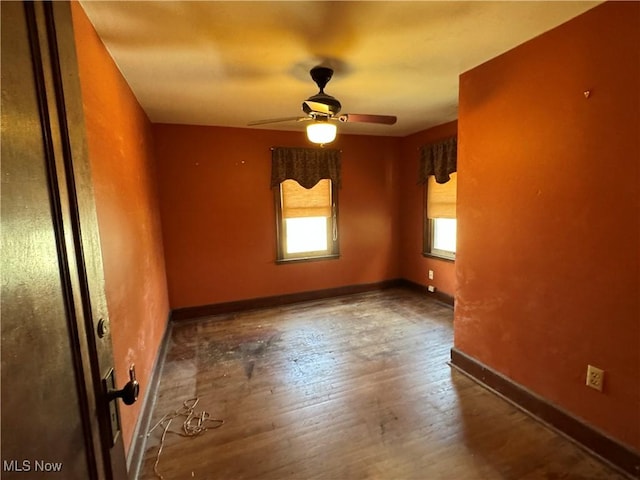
pixel 354 387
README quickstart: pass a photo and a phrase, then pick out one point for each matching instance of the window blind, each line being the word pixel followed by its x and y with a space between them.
pixel 441 197
pixel 298 201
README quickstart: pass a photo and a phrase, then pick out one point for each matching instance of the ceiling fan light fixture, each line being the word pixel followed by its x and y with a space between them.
pixel 321 132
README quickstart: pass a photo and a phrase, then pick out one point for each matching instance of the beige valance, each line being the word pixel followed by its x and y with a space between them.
pixel 307 166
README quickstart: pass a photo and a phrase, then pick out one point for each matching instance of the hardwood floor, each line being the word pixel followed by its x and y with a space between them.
pixel 354 387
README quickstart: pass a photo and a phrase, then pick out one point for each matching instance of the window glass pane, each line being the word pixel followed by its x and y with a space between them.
pixel 444 234
pixel 306 234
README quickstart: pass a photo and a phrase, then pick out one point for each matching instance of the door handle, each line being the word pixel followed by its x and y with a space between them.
pixel 129 393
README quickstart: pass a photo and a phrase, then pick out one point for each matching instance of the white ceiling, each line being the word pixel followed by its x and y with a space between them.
pixel 228 63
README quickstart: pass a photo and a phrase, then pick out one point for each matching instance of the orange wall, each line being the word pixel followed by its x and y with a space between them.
pixel 120 149
pixel 414 266
pixel 219 220
pixel 548 212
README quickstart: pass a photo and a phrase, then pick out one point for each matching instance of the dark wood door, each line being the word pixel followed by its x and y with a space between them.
pixel 55 415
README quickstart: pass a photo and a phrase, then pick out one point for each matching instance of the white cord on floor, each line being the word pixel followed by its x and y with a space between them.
pixel 193 425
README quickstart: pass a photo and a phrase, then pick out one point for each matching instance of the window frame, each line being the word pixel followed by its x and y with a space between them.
pixel 437 252
pixel 333 235
pixel 428 231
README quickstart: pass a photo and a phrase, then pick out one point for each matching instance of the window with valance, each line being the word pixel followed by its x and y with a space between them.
pixel 305 183
pixel 437 171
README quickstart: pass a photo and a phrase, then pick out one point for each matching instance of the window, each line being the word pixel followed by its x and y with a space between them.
pixel 306 220
pixel 440 224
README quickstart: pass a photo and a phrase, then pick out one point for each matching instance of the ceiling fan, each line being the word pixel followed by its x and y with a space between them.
pixel 322 109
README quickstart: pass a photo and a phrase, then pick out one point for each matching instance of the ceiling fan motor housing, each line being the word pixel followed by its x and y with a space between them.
pixel 331 102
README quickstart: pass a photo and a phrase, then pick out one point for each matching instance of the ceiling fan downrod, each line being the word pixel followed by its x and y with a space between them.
pixel 321 75
pixel 321 103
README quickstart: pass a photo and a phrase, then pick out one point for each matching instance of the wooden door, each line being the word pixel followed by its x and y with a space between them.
pixel 55 412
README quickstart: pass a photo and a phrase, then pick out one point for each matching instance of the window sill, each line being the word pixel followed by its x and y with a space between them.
pixel 438 257
pixel 284 261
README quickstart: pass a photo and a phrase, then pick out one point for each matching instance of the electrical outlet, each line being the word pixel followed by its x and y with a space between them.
pixel 595 377
pixel 430 274
pixel 431 288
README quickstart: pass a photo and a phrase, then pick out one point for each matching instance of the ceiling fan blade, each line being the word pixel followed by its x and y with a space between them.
pixel 366 118
pixel 318 107
pixel 276 120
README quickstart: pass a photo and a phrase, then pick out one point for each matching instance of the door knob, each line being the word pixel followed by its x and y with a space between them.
pixel 129 393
